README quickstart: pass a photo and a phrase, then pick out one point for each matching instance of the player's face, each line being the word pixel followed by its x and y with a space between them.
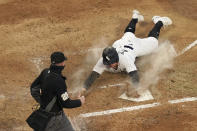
pixel 114 65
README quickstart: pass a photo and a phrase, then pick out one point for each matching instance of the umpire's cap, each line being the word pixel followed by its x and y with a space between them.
pixel 57 57
pixel 110 56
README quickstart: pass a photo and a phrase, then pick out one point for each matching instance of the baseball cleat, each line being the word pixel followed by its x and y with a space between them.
pixel 137 15
pixel 165 20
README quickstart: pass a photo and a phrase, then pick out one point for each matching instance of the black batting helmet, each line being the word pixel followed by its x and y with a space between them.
pixel 110 56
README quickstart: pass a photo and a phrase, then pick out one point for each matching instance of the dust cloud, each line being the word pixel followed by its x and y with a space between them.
pixel 92 56
pixel 158 61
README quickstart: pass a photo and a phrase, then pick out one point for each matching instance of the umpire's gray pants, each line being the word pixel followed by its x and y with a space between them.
pixel 59 123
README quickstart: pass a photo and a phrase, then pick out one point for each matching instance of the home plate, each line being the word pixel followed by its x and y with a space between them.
pixel 144 96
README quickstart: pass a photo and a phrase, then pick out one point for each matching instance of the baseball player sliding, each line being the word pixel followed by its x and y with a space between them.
pixel 122 54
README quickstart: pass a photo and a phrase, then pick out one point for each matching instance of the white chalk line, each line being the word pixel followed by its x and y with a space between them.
pixel 132 108
pixel 113 85
pixel 188 47
pixel 107 112
pixel 183 100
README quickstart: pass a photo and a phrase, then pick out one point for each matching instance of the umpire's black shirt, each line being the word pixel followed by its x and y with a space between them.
pixel 51 83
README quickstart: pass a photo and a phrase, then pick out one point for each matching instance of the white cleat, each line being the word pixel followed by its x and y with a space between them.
pixel 165 20
pixel 137 15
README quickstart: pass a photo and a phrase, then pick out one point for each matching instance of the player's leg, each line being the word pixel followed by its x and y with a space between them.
pixel 159 22
pixel 129 31
pixel 148 45
pixel 137 17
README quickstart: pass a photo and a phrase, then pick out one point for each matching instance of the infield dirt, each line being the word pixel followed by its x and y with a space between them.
pixel 30 30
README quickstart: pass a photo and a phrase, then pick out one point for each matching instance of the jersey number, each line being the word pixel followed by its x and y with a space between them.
pixel 127 46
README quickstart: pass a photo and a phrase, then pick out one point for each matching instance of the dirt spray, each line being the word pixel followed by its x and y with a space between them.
pixel 92 56
pixel 158 61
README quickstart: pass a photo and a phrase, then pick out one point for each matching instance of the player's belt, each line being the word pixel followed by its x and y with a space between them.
pixel 126 46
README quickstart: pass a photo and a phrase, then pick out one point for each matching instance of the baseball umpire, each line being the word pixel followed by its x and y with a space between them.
pixel 122 54
pixel 50 84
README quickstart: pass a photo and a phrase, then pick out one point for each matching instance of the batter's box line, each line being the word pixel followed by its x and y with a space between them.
pixel 132 108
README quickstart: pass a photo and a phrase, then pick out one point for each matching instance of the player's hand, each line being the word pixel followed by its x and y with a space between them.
pixel 131 91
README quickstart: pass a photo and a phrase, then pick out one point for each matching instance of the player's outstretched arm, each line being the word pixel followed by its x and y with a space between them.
pixel 91 78
pixel 132 92
pixel 134 77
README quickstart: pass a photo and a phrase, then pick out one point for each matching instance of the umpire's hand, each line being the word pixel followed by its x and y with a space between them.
pixel 82 99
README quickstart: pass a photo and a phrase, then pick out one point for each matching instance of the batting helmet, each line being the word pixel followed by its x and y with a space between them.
pixel 110 56
pixel 57 57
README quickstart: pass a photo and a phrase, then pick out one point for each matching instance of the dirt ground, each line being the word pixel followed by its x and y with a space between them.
pixel 30 30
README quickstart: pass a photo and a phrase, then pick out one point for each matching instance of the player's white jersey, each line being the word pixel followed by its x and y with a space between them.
pixel 128 47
